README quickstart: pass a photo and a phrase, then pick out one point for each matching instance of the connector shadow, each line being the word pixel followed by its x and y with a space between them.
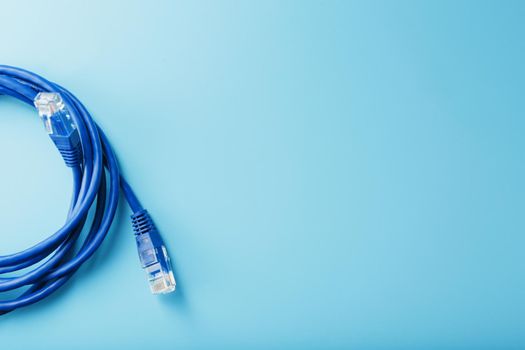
pixel 176 300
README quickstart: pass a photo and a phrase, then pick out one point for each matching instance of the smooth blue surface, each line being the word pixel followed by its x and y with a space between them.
pixel 326 175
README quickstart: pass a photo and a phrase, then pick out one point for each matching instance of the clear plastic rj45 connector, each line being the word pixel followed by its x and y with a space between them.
pixel 53 112
pixel 156 263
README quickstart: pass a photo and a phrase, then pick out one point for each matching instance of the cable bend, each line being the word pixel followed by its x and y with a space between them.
pixel 97 182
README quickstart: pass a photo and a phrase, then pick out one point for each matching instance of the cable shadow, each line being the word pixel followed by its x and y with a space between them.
pixel 51 302
pixel 105 251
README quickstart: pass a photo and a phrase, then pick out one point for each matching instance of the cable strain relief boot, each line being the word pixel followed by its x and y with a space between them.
pixel 153 255
pixel 69 147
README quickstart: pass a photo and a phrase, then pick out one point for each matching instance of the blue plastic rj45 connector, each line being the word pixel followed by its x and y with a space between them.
pixel 60 126
pixel 153 254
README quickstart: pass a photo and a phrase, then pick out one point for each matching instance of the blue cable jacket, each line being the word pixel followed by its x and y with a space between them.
pixel 96 182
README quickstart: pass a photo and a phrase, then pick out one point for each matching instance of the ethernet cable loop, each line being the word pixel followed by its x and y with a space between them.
pixel 43 268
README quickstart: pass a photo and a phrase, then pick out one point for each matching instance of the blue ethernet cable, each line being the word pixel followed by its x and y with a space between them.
pixel 40 270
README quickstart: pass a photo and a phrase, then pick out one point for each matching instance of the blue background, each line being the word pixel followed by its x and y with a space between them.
pixel 326 175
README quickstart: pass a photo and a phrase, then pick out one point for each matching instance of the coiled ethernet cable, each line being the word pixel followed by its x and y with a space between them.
pixel 43 268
